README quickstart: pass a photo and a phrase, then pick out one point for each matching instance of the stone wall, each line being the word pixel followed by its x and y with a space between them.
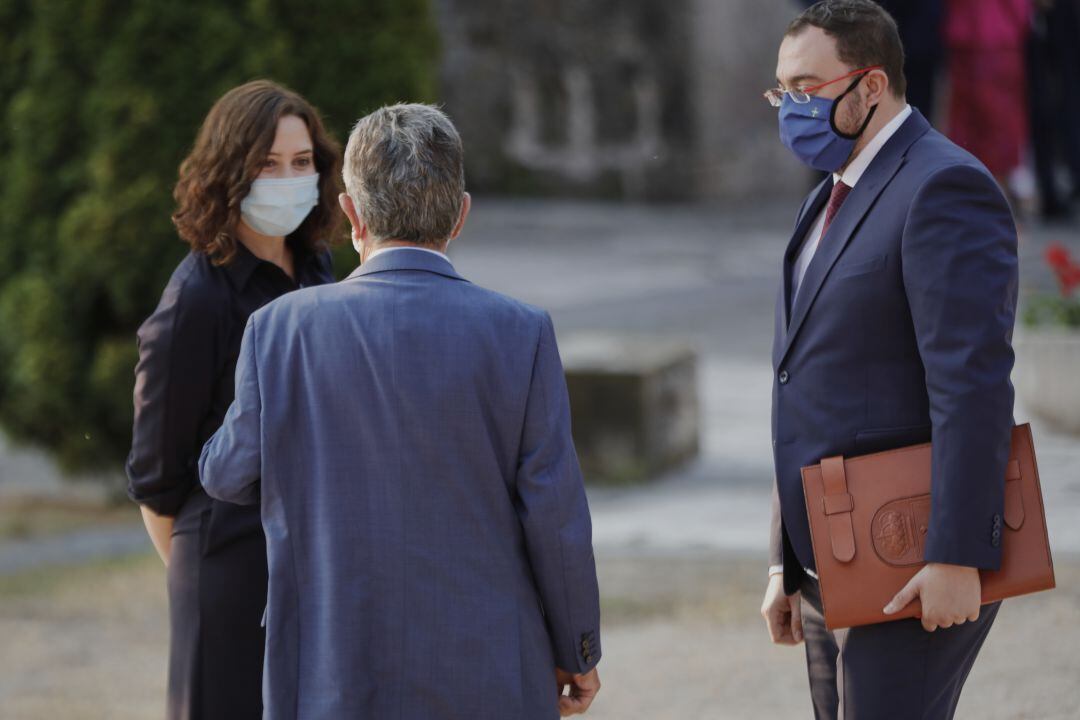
pixel 736 130
pixel 633 99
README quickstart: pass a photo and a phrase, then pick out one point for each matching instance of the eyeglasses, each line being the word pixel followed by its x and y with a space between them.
pixel 775 96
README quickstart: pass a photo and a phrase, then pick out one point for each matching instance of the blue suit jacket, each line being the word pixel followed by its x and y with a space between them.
pixel 428 535
pixel 901 333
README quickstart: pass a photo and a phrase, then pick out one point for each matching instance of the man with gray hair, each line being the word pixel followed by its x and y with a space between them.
pixel 408 436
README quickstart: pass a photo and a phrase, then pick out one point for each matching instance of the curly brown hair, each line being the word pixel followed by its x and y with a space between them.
pixel 229 153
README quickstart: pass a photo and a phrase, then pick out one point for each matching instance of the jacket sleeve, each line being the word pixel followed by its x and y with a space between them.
pixel 174 389
pixel 231 461
pixel 959 255
pixel 554 514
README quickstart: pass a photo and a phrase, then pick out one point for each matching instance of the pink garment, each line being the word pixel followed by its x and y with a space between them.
pixel 987 24
pixel 988 95
pixel 988 106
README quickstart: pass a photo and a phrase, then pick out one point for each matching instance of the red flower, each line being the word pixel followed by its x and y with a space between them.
pixel 1058 256
pixel 1067 271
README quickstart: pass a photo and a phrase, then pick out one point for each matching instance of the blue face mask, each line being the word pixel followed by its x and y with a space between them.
pixel 809 130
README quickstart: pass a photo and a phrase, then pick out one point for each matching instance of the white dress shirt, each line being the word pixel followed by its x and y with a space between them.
pixel 849 177
pixel 380 251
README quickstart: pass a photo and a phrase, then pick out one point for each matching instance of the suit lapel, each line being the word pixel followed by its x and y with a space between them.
pixel 818 196
pixel 877 176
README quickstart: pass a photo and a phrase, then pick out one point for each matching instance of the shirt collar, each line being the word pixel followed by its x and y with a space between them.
pixel 861 162
pixel 242 265
pixel 429 261
pixel 380 251
pixel 244 262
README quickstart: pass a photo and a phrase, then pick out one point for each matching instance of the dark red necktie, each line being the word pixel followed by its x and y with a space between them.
pixel 836 199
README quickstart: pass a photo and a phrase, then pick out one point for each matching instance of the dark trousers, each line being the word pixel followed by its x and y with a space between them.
pixel 217 593
pixel 891 670
pixel 1053 63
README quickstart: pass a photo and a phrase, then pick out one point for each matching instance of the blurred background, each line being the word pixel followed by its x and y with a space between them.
pixel 627 176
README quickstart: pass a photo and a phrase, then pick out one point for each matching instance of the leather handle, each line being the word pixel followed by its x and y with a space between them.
pixel 838 504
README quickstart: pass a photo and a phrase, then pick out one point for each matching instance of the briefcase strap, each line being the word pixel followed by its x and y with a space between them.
pixel 838 504
pixel 1014 497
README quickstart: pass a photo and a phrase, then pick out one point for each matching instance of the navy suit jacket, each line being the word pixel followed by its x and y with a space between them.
pixel 901 334
pixel 428 535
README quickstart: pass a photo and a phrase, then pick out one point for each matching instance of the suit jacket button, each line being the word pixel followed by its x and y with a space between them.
pixel 784 377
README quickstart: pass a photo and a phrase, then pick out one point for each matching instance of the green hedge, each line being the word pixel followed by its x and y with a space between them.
pixel 101 100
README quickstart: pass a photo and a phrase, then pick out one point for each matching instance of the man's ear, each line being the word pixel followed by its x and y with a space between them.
pixel 466 205
pixel 877 85
pixel 347 206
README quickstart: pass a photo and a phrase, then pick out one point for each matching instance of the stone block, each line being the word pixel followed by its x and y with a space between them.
pixel 1046 376
pixel 634 405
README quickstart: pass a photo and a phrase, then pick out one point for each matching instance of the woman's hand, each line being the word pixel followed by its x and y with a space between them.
pixel 159 527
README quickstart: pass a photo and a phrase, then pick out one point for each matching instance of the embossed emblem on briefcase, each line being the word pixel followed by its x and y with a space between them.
pixel 891 535
pixel 899 530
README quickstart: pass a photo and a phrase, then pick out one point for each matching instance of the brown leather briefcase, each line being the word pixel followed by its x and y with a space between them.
pixel 868 521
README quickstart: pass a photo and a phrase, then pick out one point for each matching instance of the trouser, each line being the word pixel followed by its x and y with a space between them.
pixel 1054 99
pixel 889 670
pixel 217 593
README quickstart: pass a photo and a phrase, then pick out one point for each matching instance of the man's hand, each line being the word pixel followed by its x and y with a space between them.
pixel 782 613
pixel 950 595
pixel 583 689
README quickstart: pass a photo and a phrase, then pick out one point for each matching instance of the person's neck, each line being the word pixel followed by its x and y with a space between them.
pixel 887 109
pixel 266 247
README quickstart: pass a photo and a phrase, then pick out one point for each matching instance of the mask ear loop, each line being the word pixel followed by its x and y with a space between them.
pixel 836 104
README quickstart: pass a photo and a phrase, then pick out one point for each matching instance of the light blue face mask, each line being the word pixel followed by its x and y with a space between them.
pixel 809 130
pixel 277 206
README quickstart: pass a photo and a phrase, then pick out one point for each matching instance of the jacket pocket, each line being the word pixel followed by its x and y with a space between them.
pixel 860 267
pixel 881 439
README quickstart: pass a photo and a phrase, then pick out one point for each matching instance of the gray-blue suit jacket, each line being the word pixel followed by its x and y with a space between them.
pixel 428 534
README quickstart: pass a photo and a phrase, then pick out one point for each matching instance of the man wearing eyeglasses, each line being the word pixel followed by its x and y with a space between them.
pixel 893 327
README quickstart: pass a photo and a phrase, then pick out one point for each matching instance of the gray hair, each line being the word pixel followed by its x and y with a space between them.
pixel 404 170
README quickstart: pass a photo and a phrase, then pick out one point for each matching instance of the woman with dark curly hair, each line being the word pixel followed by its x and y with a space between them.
pixel 256 201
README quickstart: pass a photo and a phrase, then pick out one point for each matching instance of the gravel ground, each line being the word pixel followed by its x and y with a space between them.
pixel 682 641
pixel 690 646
